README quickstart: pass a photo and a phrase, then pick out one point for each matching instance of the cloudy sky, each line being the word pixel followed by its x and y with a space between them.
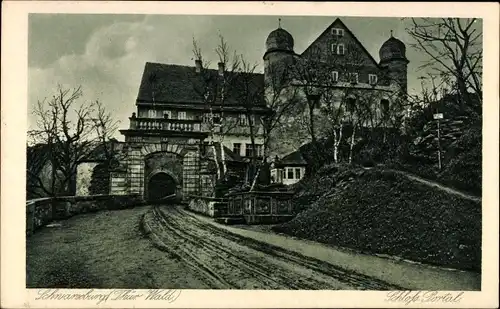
pixel 105 54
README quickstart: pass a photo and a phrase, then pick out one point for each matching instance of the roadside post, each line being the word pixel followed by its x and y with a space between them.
pixel 438 117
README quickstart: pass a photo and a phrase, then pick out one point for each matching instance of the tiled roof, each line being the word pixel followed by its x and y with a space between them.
pixel 170 83
pixel 294 158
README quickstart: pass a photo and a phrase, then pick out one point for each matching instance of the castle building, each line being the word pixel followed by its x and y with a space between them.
pixel 351 88
pixel 175 138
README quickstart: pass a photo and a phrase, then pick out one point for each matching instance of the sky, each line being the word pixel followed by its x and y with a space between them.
pixel 105 54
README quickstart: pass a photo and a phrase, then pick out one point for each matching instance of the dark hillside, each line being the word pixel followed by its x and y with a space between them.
pixel 377 211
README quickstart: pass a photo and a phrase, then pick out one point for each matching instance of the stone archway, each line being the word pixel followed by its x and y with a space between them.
pixel 160 185
pixel 179 160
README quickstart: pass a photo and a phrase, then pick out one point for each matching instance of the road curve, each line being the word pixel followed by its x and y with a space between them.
pixel 226 260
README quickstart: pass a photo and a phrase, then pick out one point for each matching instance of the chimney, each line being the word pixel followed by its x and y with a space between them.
pixel 197 63
pixel 221 68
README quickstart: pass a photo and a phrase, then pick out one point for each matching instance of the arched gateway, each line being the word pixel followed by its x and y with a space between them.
pixel 158 161
pixel 159 186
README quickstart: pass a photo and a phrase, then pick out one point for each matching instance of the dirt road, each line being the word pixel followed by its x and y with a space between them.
pixel 225 260
pixel 169 247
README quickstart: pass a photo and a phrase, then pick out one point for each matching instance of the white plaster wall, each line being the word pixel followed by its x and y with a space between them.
pixel 83 177
pixel 229 140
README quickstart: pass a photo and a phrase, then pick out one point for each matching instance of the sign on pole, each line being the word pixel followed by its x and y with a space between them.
pixel 438 116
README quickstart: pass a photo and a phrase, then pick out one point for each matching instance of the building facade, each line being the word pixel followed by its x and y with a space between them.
pixel 181 138
pixel 337 71
pixel 183 125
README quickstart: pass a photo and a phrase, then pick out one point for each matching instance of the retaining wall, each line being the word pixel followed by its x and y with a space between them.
pixel 209 206
pixel 40 212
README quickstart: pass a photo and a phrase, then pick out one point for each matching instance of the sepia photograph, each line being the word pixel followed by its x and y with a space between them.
pixel 170 152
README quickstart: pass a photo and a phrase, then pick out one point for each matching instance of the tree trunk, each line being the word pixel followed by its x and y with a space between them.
pixel 311 123
pixel 223 159
pixel 351 146
pixel 336 143
pixel 216 160
pixel 335 146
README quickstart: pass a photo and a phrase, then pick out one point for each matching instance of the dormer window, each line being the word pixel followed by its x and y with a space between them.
pixel 336 32
pixel 372 78
pixel 338 49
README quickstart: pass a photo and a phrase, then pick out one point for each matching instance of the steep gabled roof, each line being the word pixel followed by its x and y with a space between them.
pixel 171 83
pixel 338 21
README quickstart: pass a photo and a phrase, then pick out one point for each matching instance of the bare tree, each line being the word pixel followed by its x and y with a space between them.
pixel 308 74
pixel 70 132
pixel 277 96
pixel 250 93
pixel 454 46
pixel 215 91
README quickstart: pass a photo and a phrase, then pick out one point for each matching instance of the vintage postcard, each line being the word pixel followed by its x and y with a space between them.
pixel 249 155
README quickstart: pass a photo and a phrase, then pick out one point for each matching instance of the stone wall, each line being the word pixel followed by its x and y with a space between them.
pixel 40 212
pixel 212 207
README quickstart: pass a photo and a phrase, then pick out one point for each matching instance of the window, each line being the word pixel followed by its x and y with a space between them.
pixel 248 150
pixel 340 49
pixel 335 76
pixel 152 113
pixel 384 104
pixel 205 148
pixel 181 115
pixel 217 119
pixel 353 77
pixel 290 173
pixel 237 148
pixel 167 114
pixel 243 120
pixel 297 173
pixel 337 32
pixel 351 104
pixel 372 79
pixel 259 150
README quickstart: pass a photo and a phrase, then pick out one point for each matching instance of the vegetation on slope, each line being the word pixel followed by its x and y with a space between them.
pixel 377 211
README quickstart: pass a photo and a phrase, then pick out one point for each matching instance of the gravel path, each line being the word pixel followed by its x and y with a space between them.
pixel 169 247
pixel 103 250
pixel 232 261
pixel 437 185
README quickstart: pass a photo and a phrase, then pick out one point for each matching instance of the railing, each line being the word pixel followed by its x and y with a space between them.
pixel 261 206
pixel 181 125
pixel 42 211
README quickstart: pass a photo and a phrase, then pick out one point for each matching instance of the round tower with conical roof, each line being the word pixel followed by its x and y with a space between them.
pixel 393 59
pixel 279 53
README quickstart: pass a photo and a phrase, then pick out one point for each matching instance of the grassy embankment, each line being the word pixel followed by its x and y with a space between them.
pixel 376 211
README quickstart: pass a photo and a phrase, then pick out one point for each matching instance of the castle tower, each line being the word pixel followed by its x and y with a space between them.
pixel 279 54
pixel 393 59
